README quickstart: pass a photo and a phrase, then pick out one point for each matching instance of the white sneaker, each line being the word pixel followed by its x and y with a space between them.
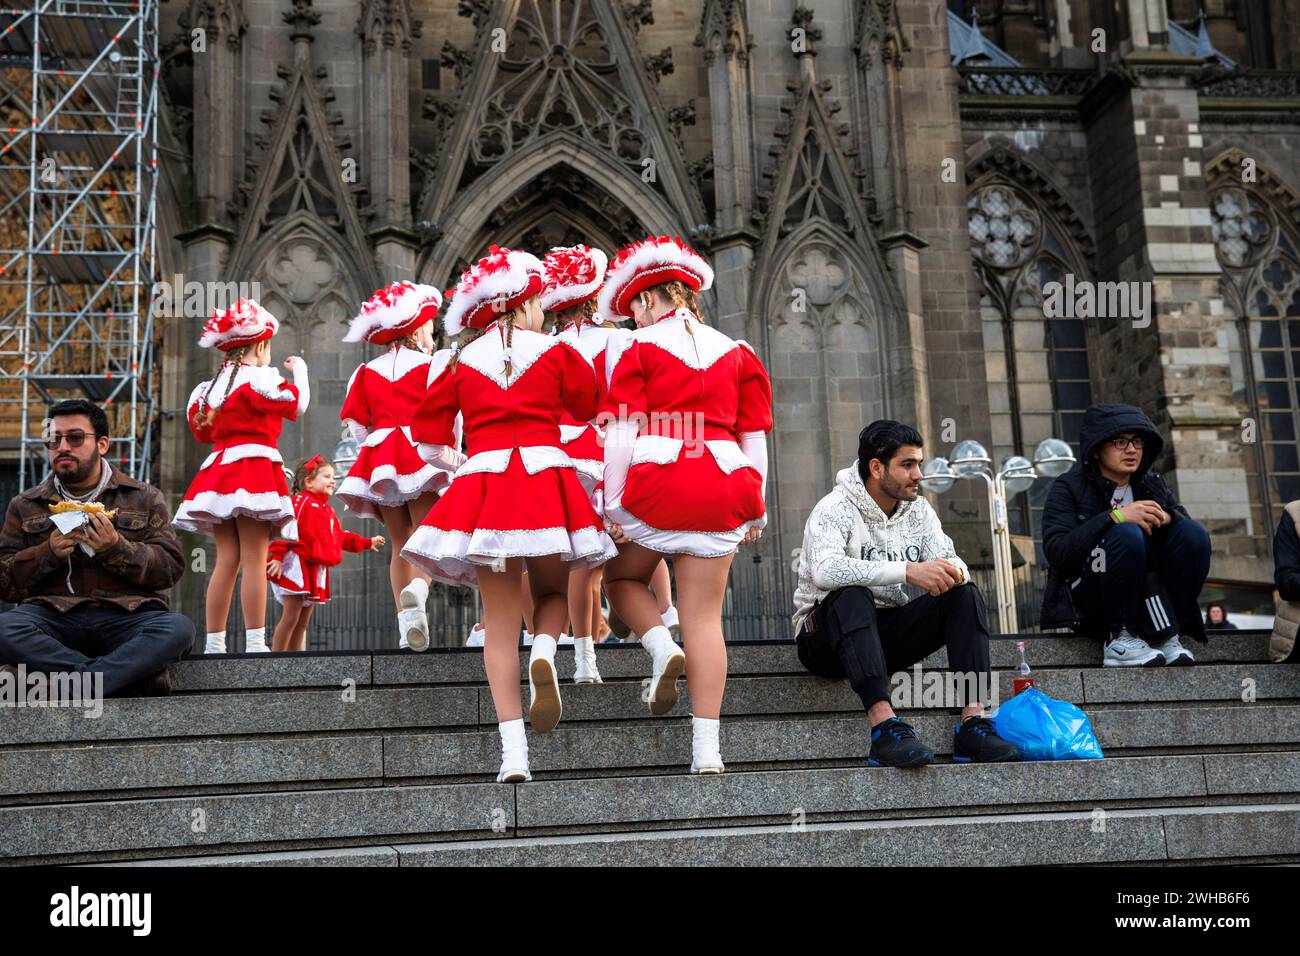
pixel 706 757
pixel 411 619
pixel 477 634
pixel 528 638
pixel 514 753
pixel 544 705
pixel 565 639
pixel 1175 654
pixel 669 663
pixel 216 643
pixel 1128 650
pixel 670 617
pixel 584 656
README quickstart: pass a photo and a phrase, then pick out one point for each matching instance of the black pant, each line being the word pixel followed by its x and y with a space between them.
pixel 100 638
pixel 851 637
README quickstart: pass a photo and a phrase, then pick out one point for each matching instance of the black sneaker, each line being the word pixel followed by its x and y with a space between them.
pixel 975 740
pixel 895 744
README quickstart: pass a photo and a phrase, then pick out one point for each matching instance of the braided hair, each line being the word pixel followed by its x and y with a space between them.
pixel 207 414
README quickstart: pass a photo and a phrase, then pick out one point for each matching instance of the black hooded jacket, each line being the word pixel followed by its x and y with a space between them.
pixel 1077 511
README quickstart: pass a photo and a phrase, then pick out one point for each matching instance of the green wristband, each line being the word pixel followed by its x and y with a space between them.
pixel 1115 513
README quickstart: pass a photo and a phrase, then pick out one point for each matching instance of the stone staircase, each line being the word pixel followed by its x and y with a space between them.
pixel 388 759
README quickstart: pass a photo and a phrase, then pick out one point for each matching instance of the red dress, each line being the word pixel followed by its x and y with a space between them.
pixel 582 440
pixel 244 474
pixel 381 400
pixel 690 489
pixel 517 495
pixel 320 545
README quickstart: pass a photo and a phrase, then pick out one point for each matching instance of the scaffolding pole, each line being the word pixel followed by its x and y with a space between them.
pixel 79 158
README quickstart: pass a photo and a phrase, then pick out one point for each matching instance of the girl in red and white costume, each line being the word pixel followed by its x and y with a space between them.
pixel 389 481
pixel 571 278
pixel 299 570
pixel 516 502
pixel 685 465
pixel 239 495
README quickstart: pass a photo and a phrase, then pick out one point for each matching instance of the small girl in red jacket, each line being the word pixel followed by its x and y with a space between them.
pixel 299 570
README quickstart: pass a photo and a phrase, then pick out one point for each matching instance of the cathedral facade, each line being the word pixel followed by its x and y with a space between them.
pixel 914 211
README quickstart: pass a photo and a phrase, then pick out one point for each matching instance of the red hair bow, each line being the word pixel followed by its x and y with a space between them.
pixel 314 463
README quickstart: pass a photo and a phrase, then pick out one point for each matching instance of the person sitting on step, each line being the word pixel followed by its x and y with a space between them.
pixel 868 548
pixel 1125 561
pixel 93 600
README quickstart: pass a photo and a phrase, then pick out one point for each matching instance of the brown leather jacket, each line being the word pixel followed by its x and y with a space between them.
pixel 138 570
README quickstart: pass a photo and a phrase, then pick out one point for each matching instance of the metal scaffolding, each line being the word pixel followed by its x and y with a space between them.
pixel 79 87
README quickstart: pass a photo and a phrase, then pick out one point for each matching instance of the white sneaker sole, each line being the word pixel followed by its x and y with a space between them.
pixel 546 708
pixel 709 770
pixel 663 693
pixel 416 630
pixel 514 775
pixel 1155 660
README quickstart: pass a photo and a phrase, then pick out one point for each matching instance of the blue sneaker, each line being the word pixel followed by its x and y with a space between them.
pixel 895 744
pixel 975 740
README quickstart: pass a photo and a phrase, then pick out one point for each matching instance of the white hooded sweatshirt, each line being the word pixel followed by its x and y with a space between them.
pixel 849 541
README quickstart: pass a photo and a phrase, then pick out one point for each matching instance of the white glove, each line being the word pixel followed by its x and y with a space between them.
pixel 304 389
pixel 754 445
pixel 620 439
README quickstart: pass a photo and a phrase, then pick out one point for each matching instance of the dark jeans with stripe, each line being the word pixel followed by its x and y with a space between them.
pixel 846 635
pixel 1179 556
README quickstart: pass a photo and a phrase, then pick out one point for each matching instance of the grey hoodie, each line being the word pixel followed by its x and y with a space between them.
pixel 849 541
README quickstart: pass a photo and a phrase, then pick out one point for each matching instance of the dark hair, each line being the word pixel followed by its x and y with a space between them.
pixel 881 440
pixel 301 475
pixel 1210 607
pixel 79 406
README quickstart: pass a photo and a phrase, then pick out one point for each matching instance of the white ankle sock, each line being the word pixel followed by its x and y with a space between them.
pixel 513 736
pixel 670 617
pixel 543 646
pixel 654 638
pixel 583 645
pixel 216 643
pixel 254 639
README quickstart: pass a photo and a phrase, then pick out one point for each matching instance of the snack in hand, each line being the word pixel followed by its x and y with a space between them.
pixel 89 507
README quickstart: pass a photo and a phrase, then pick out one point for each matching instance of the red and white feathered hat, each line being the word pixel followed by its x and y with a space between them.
pixel 244 323
pixel 397 309
pixel 652 261
pixel 497 283
pixel 571 275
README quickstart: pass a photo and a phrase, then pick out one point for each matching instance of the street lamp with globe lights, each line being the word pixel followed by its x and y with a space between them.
pixel 969 459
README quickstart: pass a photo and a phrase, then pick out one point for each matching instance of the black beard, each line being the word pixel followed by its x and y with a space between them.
pixel 82 474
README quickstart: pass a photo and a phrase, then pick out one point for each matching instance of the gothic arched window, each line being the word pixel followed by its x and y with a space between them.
pixel 1038 371
pixel 1257 249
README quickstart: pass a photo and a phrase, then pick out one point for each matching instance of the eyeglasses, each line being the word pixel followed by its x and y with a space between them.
pixel 74 440
pixel 1137 441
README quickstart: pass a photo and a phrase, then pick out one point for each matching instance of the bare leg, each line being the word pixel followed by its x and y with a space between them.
pixel 627 582
pixel 501 614
pixel 400 571
pixel 526 604
pixel 282 640
pixel 599 626
pixel 701 586
pixel 254 536
pixel 548 582
pixel 662 584
pixel 221 585
pixel 580 601
pixel 300 632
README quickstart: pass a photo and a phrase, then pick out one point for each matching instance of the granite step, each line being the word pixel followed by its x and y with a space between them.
pixel 620 661
pixel 230 824
pixel 107 770
pixel 353 709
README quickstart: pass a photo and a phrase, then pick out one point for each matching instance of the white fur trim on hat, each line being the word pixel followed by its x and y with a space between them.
pixel 572 274
pixel 244 321
pixel 658 253
pixel 390 307
pixel 501 275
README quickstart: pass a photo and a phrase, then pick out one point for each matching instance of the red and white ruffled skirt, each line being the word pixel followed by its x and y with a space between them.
pixel 298 578
pixel 388 472
pixel 240 480
pixel 510 503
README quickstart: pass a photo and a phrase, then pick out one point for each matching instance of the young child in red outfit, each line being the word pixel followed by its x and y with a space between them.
pixel 299 570
pixel 239 495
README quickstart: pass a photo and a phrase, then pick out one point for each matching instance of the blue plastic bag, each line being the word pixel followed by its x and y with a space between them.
pixel 1046 729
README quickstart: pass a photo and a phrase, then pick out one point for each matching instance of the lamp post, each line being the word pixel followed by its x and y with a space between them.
pixel 969 459
pixel 345 454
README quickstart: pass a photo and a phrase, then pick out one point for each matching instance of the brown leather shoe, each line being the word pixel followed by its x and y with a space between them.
pixel 155 685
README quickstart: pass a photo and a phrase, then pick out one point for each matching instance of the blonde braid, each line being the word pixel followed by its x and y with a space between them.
pixel 209 414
